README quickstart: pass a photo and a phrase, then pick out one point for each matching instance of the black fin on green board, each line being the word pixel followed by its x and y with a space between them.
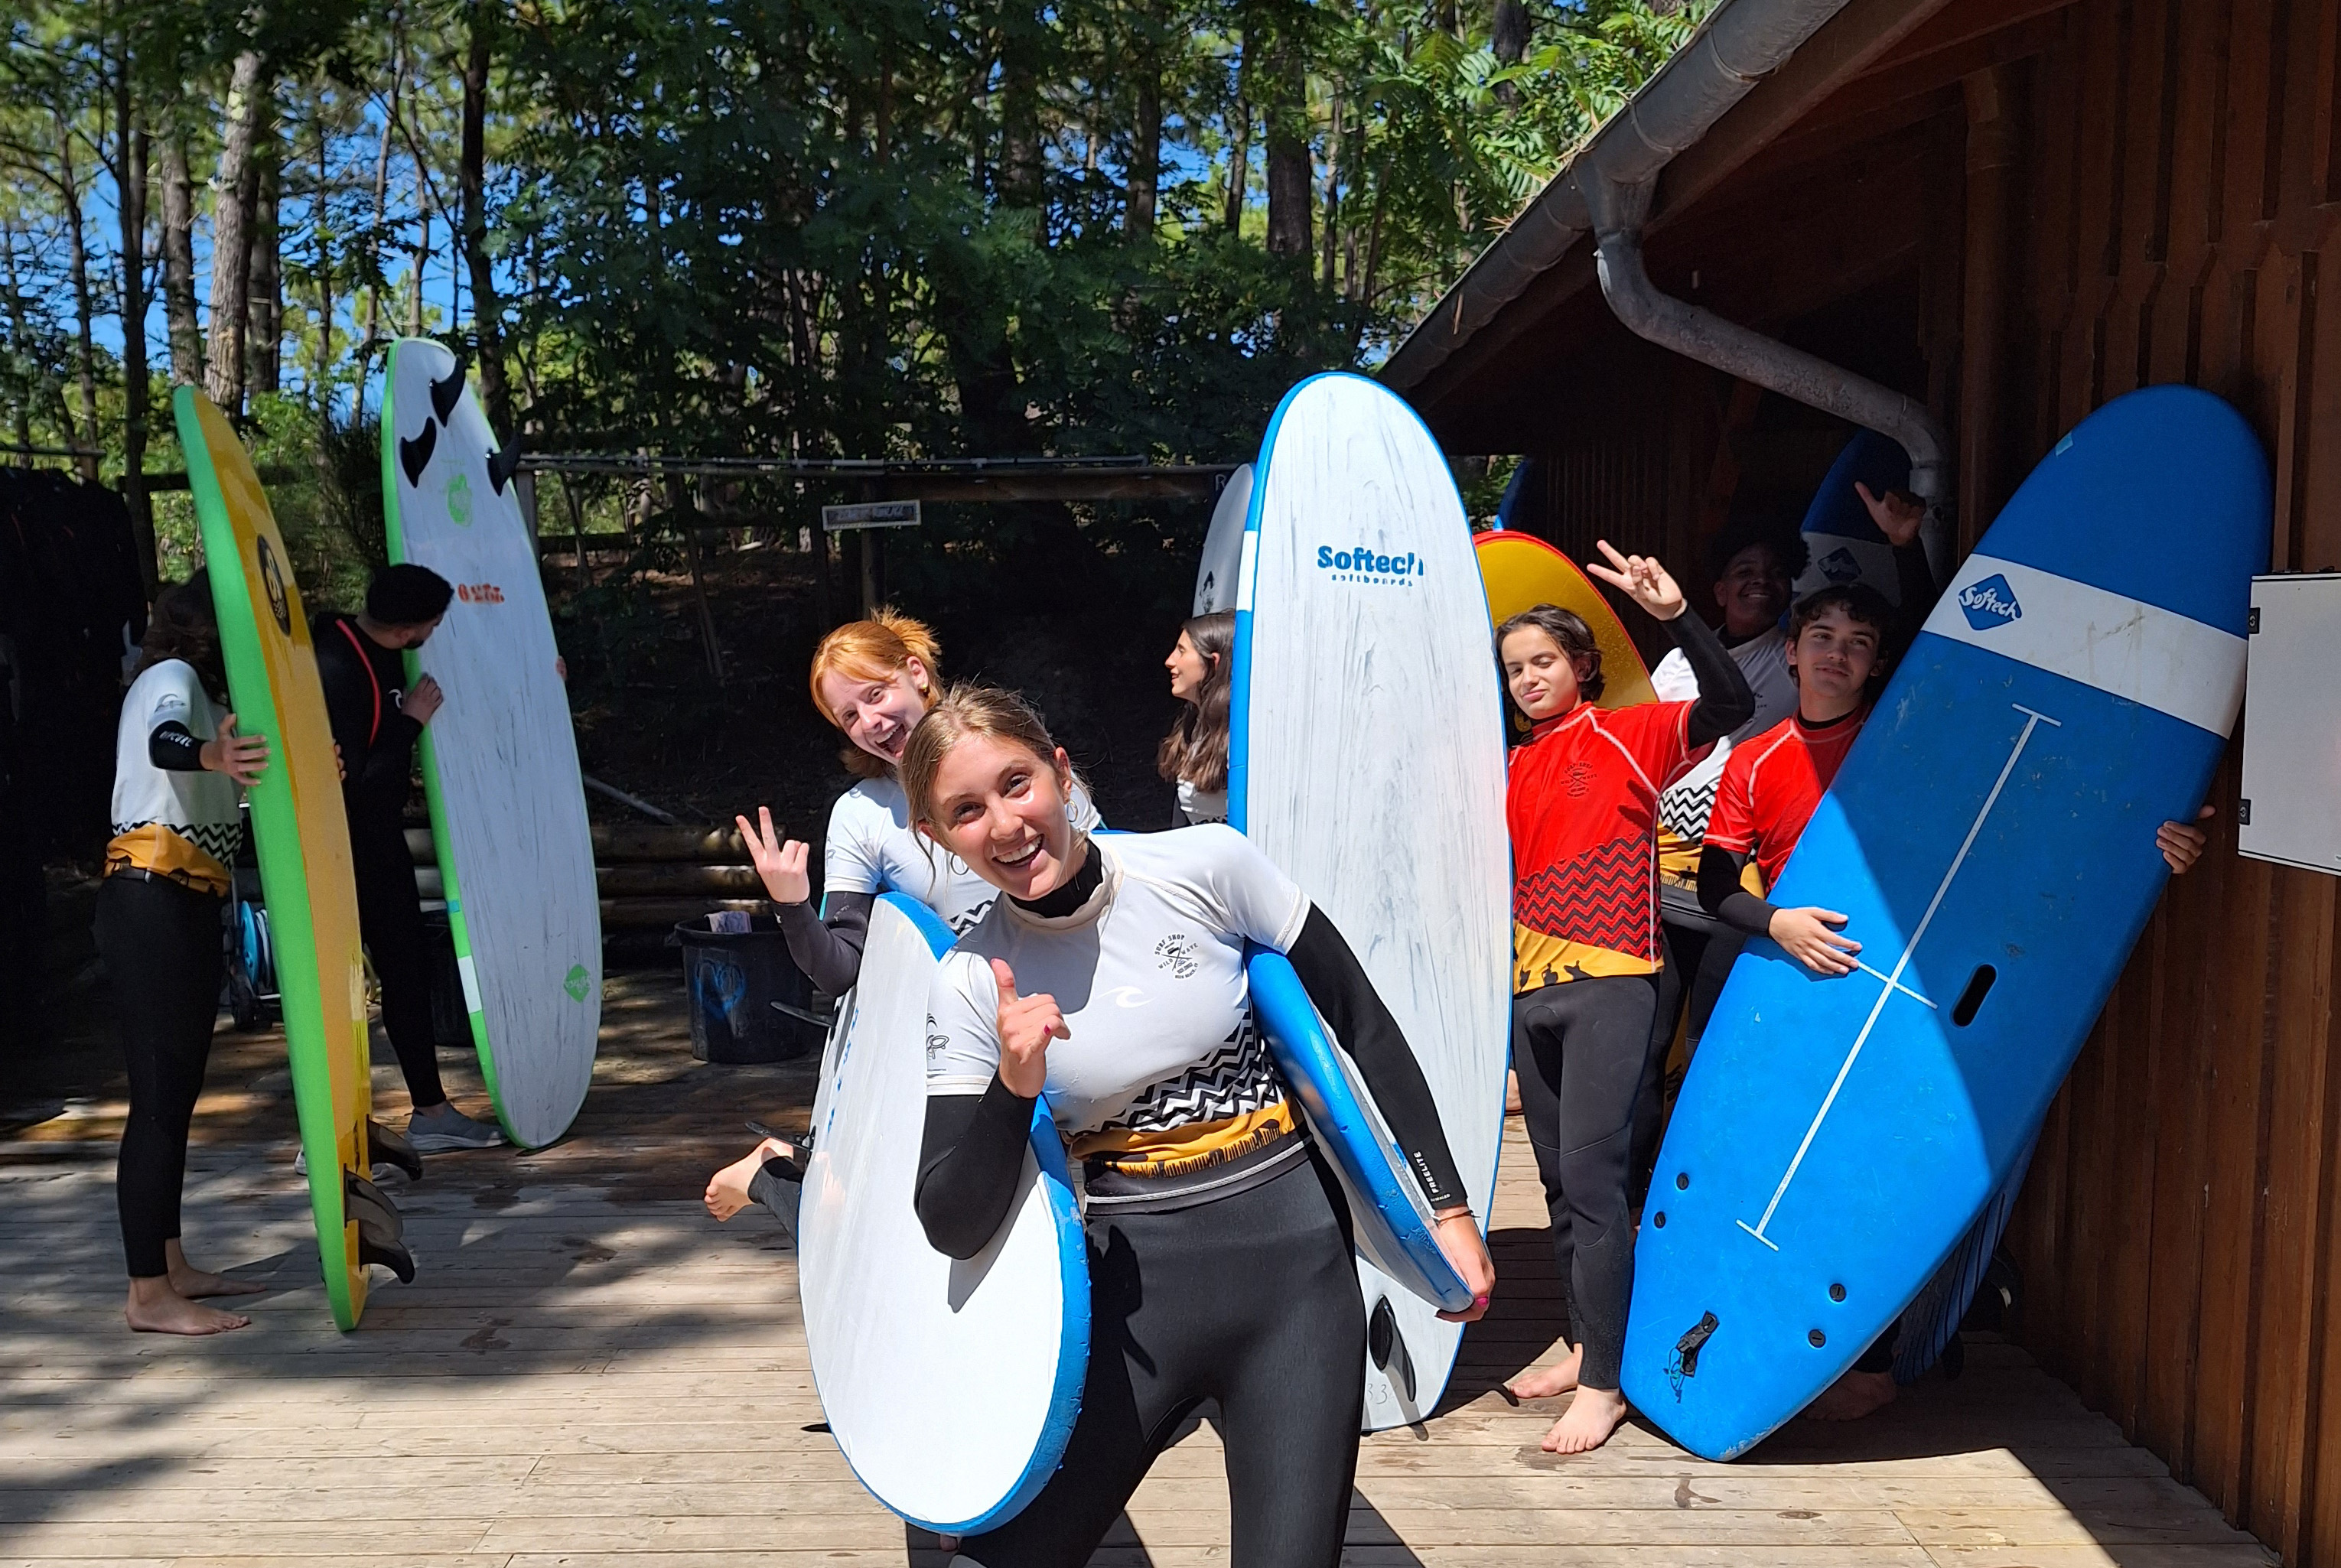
pixel 502 463
pixel 444 393
pixel 415 456
pixel 391 1148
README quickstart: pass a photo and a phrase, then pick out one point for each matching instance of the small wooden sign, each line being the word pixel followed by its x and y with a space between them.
pixel 871 514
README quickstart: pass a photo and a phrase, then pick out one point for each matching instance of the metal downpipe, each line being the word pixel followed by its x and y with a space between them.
pixel 1618 211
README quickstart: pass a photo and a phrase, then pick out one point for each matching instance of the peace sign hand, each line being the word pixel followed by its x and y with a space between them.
pixel 1641 578
pixel 1026 1025
pixel 781 865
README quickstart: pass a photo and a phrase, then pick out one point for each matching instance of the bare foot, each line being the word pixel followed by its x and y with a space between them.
pixel 1511 1093
pixel 156 1308
pixel 727 1189
pixel 1587 1422
pixel 1544 1382
pixel 193 1284
pixel 1853 1396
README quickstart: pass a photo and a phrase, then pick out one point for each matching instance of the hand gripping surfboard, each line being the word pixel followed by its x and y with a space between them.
pixel 1990 839
pixel 950 1387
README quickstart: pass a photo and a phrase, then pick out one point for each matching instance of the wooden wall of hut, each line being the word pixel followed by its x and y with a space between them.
pixel 2150 198
pixel 2178 1233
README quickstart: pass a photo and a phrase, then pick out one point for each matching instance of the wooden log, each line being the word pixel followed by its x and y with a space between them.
pixel 670 880
pixel 634 843
pixel 657 913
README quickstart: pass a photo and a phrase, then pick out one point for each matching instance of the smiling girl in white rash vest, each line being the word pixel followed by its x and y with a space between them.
pixel 873 679
pixel 1111 976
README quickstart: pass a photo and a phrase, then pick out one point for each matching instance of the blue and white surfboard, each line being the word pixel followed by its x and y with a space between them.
pixel 952 1386
pixel 1366 757
pixel 1991 839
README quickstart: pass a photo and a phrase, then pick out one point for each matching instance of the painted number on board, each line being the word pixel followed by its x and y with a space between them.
pixel 479 593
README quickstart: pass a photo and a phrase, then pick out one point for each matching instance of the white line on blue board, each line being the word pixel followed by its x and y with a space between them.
pixel 2032 720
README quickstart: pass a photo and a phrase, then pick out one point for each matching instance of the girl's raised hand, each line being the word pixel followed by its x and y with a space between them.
pixel 781 865
pixel 1641 578
pixel 1026 1025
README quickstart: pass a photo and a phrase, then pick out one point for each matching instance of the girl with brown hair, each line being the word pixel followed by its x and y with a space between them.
pixel 1194 755
pixel 1111 975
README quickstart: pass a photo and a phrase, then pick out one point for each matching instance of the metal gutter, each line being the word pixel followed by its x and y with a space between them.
pixel 1607 189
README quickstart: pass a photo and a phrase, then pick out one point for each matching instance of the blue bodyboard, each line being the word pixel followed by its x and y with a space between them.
pixel 1845 545
pixel 1991 840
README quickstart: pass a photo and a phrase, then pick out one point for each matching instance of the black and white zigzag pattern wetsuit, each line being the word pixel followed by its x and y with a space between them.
pixel 1219 1254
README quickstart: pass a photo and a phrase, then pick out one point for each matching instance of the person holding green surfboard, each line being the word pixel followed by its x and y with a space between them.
pixel 377 718
pixel 180 770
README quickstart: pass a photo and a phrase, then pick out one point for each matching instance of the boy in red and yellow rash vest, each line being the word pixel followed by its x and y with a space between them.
pixel 1582 806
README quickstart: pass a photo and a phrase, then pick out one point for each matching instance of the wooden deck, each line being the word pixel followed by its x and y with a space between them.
pixel 590 1373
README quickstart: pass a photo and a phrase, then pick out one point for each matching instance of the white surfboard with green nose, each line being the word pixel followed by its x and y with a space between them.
pixel 500 758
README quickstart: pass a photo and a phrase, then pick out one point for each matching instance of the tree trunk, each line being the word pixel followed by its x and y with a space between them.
pixel 179 265
pixel 234 190
pixel 373 332
pixel 321 377
pixel 1507 37
pixel 470 178
pixel 77 259
pixel 1146 141
pixel 265 340
pixel 1289 167
pixel 21 407
pixel 423 248
pixel 1329 252
pixel 130 188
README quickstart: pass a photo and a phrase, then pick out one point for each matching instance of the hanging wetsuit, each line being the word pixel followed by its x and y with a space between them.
pixel 176 827
pixel 1582 806
pixel 1219 1240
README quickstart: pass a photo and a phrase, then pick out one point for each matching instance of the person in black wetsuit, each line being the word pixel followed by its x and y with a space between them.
pixel 377 718
pixel 1111 976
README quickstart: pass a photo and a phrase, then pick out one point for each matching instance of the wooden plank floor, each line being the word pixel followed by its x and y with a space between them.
pixel 590 1373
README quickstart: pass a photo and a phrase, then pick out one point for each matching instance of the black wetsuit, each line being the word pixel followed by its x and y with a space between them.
pixel 363 684
pixel 1231 1287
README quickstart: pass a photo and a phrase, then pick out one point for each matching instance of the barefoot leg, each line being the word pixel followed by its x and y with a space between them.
pixel 154 1307
pixel 194 1283
pixel 1545 1382
pixel 1856 1395
pixel 1586 1425
pixel 727 1189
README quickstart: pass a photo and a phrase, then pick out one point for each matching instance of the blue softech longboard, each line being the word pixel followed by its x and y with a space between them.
pixel 1991 840
pixel 1845 543
pixel 1366 758
pixel 952 1386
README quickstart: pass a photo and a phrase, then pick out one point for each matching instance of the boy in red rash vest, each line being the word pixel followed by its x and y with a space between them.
pixel 1582 808
pixel 1838 642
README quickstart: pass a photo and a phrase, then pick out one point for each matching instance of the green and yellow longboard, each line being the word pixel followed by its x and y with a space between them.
pixel 303 839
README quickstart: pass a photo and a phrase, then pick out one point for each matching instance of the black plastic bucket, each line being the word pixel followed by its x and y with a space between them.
pixel 732 979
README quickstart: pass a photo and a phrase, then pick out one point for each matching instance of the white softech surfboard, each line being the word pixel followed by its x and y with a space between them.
pixel 951 1387
pixel 1367 759
pixel 500 758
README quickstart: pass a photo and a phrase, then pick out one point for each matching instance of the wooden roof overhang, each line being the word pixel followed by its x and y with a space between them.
pixel 1813 188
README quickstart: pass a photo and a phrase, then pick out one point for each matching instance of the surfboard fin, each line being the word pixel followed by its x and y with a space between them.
pixel 444 393
pixel 1387 1345
pixel 1684 1362
pixel 391 1148
pixel 381 1233
pixel 415 455
pixel 502 463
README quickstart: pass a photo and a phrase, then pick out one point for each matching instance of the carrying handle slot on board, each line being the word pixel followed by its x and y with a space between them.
pixel 1979 987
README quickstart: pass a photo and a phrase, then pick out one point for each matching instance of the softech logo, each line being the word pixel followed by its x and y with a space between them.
pixel 1360 564
pixel 1990 603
